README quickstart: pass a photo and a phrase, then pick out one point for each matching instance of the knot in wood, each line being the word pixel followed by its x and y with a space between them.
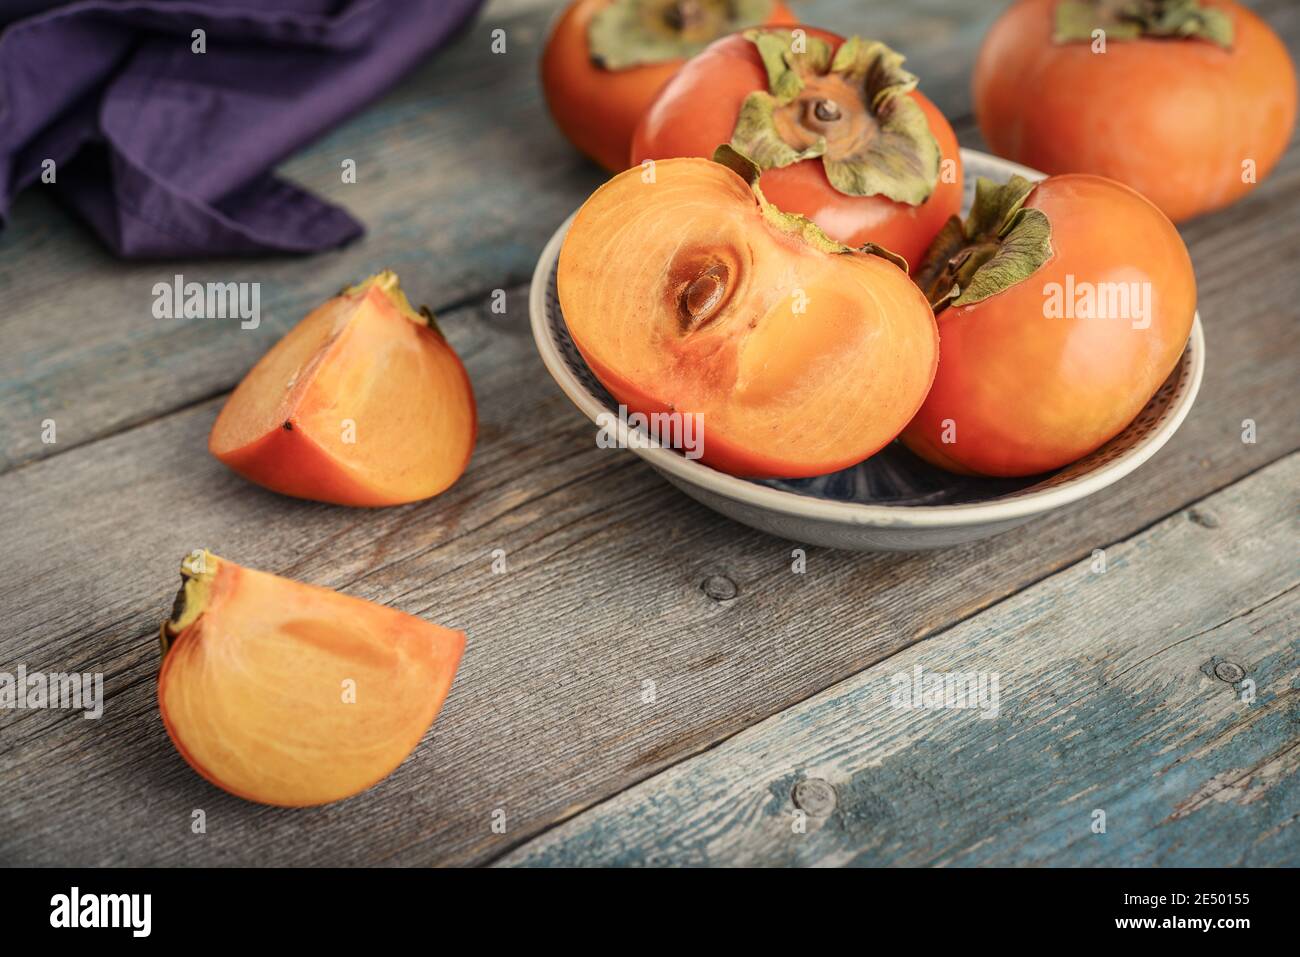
pixel 1229 671
pixel 815 797
pixel 719 588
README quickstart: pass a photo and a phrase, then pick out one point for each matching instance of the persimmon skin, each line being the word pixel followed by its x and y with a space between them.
pixel 697 110
pixel 1174 119
pixel 598 109
pixel 784 390
pixel 1027 393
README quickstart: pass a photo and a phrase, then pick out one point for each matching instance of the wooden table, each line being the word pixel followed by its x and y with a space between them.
pixel 1120 691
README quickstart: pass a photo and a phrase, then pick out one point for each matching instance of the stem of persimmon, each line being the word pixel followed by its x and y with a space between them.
pixel 682 14
pixel 828 111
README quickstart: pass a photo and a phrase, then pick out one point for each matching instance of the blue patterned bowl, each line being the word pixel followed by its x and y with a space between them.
pixel 893 501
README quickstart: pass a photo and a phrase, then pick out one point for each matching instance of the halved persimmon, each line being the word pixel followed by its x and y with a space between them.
pixel 687 293
pixel 1190 102
pixel 362 403
pixel 606 59
pixel 837 126
pixel 288 694
pixel 1062 307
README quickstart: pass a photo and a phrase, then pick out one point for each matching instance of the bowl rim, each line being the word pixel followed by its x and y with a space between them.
pixel 796 505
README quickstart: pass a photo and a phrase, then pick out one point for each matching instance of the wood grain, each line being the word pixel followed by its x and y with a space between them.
pixel 605 560
pixel 1110 696
pixel 603 592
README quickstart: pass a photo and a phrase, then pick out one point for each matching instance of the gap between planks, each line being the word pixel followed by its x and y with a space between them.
pixel 463 309
pixel 1066 563
pixel 579 838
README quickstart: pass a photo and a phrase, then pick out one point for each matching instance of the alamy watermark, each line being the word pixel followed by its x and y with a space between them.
pixel 35 690
pixel 933 690
pixel 179 299
pixel 683 431
pixel 1128 301
pixel 129 911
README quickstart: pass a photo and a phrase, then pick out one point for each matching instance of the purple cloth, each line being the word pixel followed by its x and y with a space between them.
pixel 166 152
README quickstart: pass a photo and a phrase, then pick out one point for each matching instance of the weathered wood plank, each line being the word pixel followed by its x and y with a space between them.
pixel 1110 695
pixel 603 592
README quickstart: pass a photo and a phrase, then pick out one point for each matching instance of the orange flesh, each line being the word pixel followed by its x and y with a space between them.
pixel 357 405
pixel 252 693
pixel 810 362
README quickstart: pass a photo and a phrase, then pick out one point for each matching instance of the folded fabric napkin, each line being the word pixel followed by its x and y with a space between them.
pixel 166 151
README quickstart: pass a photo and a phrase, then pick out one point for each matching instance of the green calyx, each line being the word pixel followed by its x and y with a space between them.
pixel 1076 20
pixel 1000 244
pixel 630 33
pixel 793 224
pixel 853 109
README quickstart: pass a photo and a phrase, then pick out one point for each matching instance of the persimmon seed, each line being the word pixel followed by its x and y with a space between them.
pixel 701 299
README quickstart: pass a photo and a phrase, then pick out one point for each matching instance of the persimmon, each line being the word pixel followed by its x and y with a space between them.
pixel 363 402
pixel 837 126
pixel 606 59
pixel 284 693
pixel 687 293
pixel 1190 103
pixel 1062 307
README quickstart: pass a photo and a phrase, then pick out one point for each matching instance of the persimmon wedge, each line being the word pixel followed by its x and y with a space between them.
pixel 284 693
pixel 362 403
pixel 691 294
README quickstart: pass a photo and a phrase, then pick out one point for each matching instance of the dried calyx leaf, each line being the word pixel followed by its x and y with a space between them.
pixel 1137 19
pixel 630 33
pixel 853 109
pixel 198 570
pixel 387 282
pixel 1000 244
pixel 792 223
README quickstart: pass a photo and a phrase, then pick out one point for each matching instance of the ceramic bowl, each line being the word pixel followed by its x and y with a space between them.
pixel 893 501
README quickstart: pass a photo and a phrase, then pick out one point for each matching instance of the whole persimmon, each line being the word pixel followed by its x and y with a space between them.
pixel 1062 307
pixel 837 126
pixel 689 295
pixel 606 59
pixel 1190 102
